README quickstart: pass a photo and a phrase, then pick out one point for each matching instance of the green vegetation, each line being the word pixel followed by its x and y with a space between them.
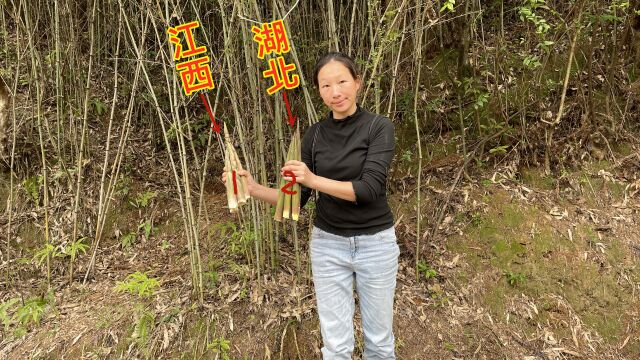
pixel 515 278
pixel 32 186
pixel 138 284
pixel 19 316
pixel 221 346
pixel 426 271
pixel 143 200
pixel 144 325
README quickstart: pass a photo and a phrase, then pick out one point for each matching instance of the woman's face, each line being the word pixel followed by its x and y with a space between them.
pixel 338 89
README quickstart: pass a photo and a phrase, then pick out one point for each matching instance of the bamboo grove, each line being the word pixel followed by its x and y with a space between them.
pixel 66 61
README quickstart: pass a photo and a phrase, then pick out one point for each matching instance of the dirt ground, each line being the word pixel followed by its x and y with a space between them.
pixel 522 267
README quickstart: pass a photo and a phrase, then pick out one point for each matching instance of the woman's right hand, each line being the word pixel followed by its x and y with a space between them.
pixel 250 182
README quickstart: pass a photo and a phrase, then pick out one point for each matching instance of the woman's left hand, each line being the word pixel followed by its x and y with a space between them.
pixel 303 175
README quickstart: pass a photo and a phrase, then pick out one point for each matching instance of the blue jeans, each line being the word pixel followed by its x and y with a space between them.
pixel 370 260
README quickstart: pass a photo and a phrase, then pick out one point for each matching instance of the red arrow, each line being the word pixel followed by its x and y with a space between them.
pixel 292 119
pixel 214 125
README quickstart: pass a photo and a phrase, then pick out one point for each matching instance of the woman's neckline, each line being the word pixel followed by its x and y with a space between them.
pixel 348 118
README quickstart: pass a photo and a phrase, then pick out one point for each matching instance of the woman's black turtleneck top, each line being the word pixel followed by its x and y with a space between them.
pixel 359 149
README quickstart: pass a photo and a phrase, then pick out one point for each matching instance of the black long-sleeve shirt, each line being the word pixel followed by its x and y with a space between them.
pixel 358 149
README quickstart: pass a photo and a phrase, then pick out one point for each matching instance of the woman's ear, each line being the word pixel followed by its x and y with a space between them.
pixel 358 82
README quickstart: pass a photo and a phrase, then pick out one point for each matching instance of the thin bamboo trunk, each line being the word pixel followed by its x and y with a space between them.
pixel 420 13
pixel 311 112
pixel 80 164
pixel 117 161
pixel 397 65
pixel 14 123
pixel 59 103
pixel 39 116
pixel 377 51
pixel 183 198
pixel 353 17
pixel 549 131
pixel 332 25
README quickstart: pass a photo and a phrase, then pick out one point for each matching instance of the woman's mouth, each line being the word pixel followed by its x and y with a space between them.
pixel 341 102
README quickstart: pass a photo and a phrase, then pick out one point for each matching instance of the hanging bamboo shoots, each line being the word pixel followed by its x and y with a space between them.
pixel 288 206
pixel 295 198
pixel 237 187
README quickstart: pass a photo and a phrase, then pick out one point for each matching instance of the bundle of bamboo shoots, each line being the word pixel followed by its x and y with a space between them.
pixel 288 206
pixel 237 187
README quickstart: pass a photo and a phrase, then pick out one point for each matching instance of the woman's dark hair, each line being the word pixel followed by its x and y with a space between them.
pixel 345 59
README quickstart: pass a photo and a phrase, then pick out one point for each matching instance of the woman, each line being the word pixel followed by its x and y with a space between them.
pixel 353 238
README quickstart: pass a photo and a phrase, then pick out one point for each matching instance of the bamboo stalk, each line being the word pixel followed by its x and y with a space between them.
pixel 353 16
pixel 311 112
pixel 58 77
pixel 376 52
pixel 12 173
pixel 183 194
pixel 420 14
pixel 235 88
pixel 395 68
pixel 201 206
pixel 262 216
pixel 551 128
pixel 39 117
pixel 332 25
pixel 203 168
pixel 80 166
pixel 192 220
pixel 183 183
pixel 117 161
pixel 4 31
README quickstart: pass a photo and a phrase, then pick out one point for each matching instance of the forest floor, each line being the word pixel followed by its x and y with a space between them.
pixel 526 267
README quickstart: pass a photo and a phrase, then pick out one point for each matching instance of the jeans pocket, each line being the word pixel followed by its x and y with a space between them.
pixel 387 235
pixel 318 236
pixel 317 233
pixel 387 239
